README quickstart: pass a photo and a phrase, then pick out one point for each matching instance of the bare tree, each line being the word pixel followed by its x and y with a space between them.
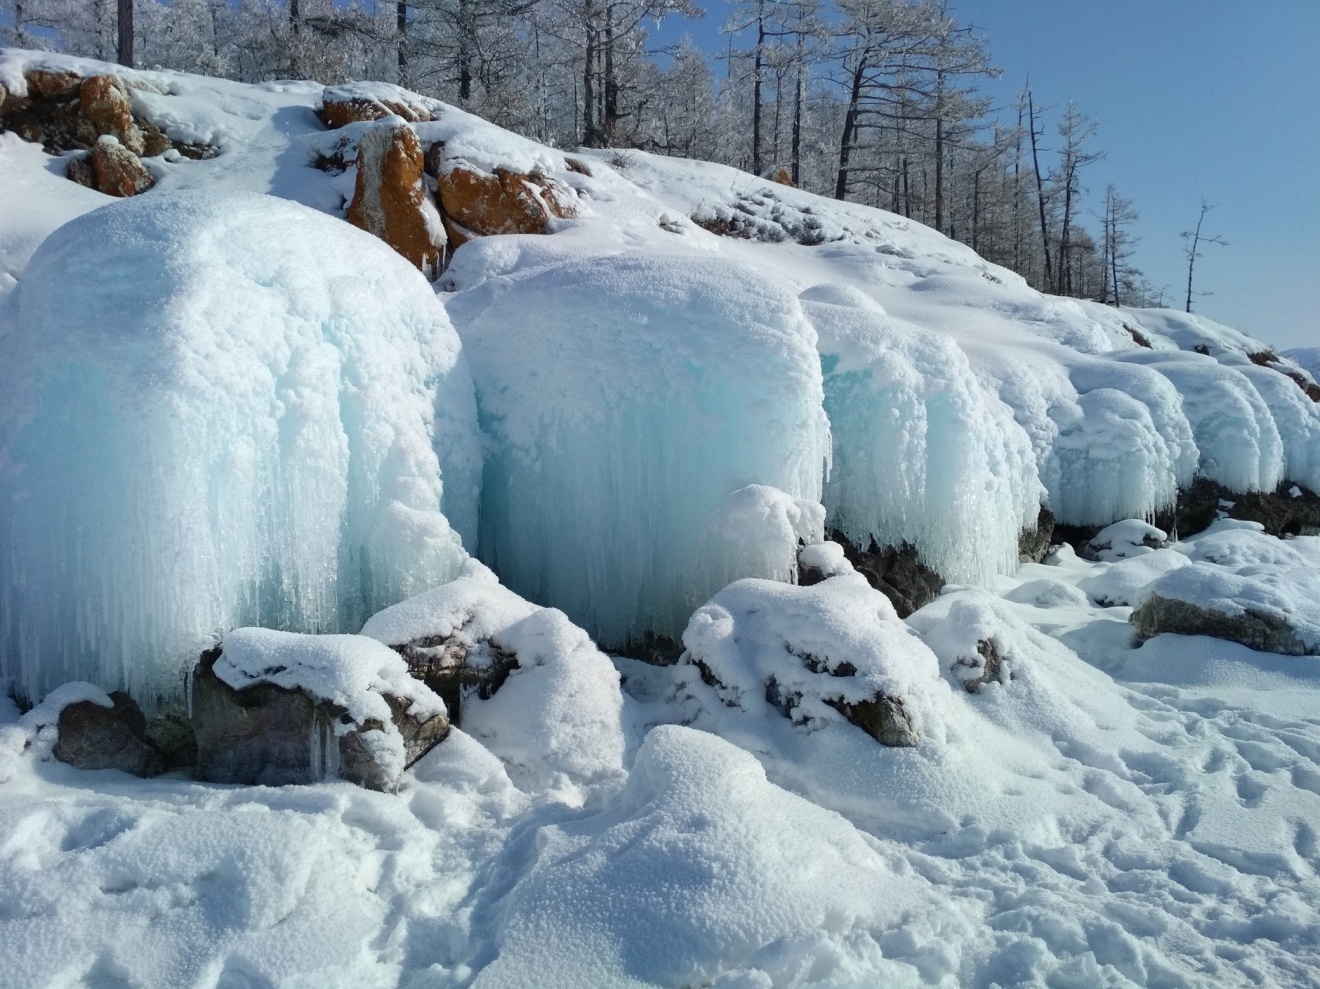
pixel 1194 239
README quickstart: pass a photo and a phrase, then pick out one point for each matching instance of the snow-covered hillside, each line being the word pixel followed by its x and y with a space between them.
pixel 223 405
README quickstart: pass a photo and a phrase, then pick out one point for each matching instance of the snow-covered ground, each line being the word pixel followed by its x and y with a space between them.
pixel 220 409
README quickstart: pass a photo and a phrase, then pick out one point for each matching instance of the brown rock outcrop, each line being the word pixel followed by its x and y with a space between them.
pixel 481 204
pixel 391 199
pixel 347 105
pixel 106 107
pixel 118 171
pixel 44 84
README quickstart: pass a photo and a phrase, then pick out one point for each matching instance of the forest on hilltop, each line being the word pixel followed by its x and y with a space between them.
pixel 872 101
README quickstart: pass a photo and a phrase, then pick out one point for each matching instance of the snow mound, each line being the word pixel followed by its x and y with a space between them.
pixel 922 453
pixel 809 653
pixel 1307 358
pixel 556 720
pixel 680 880
pixel 618 431
pixel 1233 569
pixel 222 411
pixel 1124 539
pixel 1121 582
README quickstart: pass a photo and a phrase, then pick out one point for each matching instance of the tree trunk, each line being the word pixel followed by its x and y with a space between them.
pixel 757 164
pixel 125 33
pixel 401 26
pixel 1040 191
pixel 797 129
pixel 939 175
pixel 849 129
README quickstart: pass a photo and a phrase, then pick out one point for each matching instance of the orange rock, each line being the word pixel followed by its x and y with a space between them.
pixel 350 104
pixel 118 171
pixel 391 199
pixel 46 85
pixel 507 202
pixel 781 175
pixel 106 106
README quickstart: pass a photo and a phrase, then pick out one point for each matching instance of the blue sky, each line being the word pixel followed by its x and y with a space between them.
pixel 1193 98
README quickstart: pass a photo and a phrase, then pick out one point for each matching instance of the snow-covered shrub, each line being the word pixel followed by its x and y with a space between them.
pixel 222 411
pixel 625 398
pixel 923 453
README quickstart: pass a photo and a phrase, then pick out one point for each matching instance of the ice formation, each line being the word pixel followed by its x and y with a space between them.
pixel 618 431
pixel 922 453
pixel 221 411
pixel 1239 443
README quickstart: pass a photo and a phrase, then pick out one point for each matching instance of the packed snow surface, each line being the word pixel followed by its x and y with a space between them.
pixel 220 411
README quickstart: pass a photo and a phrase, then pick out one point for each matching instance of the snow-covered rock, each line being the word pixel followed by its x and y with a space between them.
pixel 1123 540
pixel 818 655
pixel 278 707
pixel 529 685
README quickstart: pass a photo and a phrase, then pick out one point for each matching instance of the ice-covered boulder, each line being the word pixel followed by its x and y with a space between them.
pixel 220 411
pixel 278 707
pixel 523 680
pixel 833 651
pixel 626 398
pixel 923 454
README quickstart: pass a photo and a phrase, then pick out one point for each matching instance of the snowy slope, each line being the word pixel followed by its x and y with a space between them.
pixel 671 390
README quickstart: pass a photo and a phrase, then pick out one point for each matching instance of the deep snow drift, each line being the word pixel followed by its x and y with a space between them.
pixel 220 409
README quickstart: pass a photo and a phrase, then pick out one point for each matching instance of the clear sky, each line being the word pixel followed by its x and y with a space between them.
pixel 1193 98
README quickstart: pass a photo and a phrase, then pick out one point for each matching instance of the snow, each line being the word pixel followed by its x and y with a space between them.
pixel 1124 539
pixel 659 408
pixel 618 433
pixel 247 407
pixel 1307 358
pixel 838 640
pixel 556 721
pixel 353 672
pixel 682 875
